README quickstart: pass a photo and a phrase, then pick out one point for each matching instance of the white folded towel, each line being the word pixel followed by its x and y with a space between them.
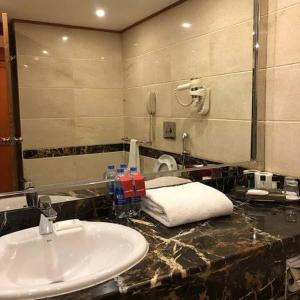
pixel 187 203
pixel 134 154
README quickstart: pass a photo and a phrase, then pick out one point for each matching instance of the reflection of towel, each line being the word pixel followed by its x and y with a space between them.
pixel 134 155
pixel 165 181
pixel 185 203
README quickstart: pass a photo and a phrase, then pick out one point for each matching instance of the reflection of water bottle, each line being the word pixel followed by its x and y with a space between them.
pixel 110 175
pixel 135 202
pixel 121 203
pixel 123 166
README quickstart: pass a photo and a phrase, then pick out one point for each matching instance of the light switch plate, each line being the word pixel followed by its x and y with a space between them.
pixel 169 130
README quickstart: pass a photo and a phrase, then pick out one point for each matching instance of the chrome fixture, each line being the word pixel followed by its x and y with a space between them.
pixel 10 140
pixel 127 140
pixel 185 153
pixel 48 215
pixel 151 109
pixel 32 195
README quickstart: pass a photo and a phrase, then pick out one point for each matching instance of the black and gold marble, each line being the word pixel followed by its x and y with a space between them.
pixel 73 150
pixel 235 257
pixel 92 149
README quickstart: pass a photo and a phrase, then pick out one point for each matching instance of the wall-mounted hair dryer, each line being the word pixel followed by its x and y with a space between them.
pixel 200 102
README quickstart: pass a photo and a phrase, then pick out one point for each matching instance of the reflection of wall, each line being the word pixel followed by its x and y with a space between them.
pixel 159 54
pixel 73 94
pixel 70 95
pixel 283 88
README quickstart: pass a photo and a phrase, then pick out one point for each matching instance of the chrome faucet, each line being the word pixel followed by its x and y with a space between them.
pixel 185 153
pixel 48 215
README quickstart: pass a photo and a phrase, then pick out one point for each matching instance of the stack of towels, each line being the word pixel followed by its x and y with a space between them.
pixel 175 201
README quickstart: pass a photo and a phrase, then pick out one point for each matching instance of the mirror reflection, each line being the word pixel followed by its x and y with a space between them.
pixel 172 91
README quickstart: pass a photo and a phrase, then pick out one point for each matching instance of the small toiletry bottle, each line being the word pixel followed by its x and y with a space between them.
pixel 120 203
pixel 135 201
pixel 110 175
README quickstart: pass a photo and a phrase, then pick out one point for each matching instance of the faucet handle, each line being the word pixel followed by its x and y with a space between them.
pixel 45 205
pixel 44 202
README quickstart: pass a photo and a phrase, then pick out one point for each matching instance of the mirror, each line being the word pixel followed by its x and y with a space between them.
pixel 179 82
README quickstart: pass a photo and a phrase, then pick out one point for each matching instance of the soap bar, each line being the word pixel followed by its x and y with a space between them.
pixel 69 224
pixel 257 192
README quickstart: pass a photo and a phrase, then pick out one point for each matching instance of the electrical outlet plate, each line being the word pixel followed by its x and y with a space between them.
pixel 169 130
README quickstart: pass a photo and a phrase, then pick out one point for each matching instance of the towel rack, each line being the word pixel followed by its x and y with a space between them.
pixel 127 140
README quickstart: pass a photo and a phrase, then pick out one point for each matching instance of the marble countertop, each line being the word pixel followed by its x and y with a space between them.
pixel 239 248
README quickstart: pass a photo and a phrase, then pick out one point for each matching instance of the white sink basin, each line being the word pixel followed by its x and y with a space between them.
pixel 34 266
pixel 20 201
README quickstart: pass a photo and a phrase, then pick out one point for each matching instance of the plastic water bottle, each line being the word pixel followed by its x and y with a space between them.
pixel 123 166
pixel 110 175
pixel 135 202
pixel 121 203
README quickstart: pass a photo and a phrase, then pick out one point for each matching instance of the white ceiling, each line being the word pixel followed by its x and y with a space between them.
pixel 119 13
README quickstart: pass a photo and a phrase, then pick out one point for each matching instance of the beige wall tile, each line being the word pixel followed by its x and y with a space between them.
pixel 98 102
pixel 44 72
pixel 282 147
pixel 231 49
pixel 96 45
pixel 136 100
pixel 222 140
pixel 280 4
pixel 36 103
pixel 165 29
pixel 136 127
pixel 271 39
pixel 230 143
pixel 287 46
pixel 98 74
pixel 44 171
pixel 283 93
pixel 33 39
pixel 133 72
pixel 190 59
pixel 157 67
pixel 169 144
pixel 45 133
pixel 93 166
pixel 93 131
pixel 231 96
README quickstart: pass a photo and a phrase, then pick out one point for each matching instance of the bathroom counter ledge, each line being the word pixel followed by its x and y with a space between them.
pixel 235 257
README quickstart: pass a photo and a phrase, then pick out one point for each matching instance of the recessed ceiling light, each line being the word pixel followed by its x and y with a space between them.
pixel 100 13
pixel 186 25
pixel 45 52
pixel 65 38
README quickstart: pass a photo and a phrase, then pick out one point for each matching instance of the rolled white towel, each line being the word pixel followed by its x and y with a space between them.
pixel 187 203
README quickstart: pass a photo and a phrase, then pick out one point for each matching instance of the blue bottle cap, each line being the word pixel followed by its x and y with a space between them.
pixel 133 169
pixel 123 166
pixel 111 167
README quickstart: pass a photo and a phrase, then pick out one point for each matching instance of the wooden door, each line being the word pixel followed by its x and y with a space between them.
pixel 9 145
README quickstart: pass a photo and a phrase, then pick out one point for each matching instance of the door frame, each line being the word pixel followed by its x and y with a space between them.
pixel 13 100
